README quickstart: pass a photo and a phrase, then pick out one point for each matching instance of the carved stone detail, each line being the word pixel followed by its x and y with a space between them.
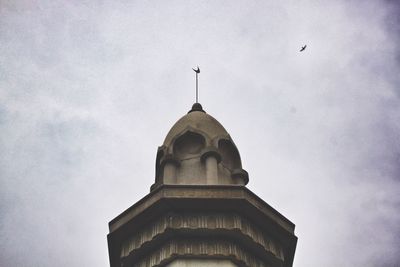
pixel 196 221
pixel 199 248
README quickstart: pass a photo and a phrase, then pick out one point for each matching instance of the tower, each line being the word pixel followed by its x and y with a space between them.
pixel 199 211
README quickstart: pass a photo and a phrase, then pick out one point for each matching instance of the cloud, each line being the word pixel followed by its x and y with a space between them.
pixel 89 90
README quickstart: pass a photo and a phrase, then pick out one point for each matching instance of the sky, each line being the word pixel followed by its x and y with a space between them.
pixel 89 90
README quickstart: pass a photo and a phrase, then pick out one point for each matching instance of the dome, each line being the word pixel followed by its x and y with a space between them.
pixel 199 121
pixel 198 150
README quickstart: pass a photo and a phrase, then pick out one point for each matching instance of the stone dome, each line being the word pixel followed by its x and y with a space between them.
pixel 198 121
pixel 198 150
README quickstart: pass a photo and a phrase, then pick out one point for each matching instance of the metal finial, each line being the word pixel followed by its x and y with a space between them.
pixel 197 83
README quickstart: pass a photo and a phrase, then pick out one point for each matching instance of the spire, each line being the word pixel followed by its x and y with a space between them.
pixel 197 83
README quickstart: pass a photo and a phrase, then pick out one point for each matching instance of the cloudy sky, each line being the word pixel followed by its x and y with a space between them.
pixel 89 89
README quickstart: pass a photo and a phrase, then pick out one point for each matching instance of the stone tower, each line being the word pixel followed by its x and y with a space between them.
pixel 199 212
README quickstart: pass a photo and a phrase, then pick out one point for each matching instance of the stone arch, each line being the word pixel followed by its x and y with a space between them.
pixel 230 154
pixel 188 144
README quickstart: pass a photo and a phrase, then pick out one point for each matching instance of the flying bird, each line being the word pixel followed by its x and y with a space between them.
pixel 198 70
pixel 303 48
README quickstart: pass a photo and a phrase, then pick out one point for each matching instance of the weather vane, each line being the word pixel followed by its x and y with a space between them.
pixel 197 83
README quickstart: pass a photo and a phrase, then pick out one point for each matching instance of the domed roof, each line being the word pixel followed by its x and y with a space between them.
pixel 199 121
pixel 198 150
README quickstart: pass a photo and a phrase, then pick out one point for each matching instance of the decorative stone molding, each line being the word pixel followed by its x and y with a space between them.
pixel 198 248
pixel 241 175
pixel 192 212
pixel 202 221
pixel 201 193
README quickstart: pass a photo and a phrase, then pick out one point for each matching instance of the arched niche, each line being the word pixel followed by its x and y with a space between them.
pixel 188 144
pixel 230 154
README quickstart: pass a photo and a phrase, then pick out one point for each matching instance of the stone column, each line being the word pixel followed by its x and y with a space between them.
pixel 169 165
pixel 211 158
pixel 211 170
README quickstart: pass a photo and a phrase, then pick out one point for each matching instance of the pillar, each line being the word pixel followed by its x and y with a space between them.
pixel 211 158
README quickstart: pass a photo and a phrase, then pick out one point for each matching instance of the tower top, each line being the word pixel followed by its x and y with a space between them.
pixel 199 212
pixel 199 150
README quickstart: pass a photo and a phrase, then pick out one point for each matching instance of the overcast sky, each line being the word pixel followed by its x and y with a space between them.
pixel 89 89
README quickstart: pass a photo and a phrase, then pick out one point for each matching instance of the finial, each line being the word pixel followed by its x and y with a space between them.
pixel 197 83
pixel 197 107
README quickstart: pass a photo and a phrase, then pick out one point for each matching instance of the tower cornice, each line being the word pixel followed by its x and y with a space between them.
pixel 249 221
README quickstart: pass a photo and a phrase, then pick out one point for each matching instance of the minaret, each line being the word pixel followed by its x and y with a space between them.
pixel 199 212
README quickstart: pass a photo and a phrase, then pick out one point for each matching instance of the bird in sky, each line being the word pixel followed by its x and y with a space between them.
pixel 303 48
pixel 198 70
